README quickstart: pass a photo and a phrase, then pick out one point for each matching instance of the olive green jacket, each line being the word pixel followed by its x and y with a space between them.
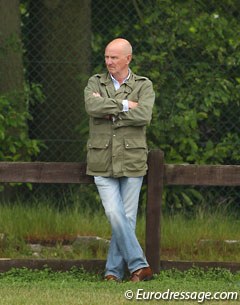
pixel 118 147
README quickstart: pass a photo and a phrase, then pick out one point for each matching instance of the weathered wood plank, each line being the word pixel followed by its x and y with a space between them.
pixel 44 172
pixel 99 265
pixel 54 264
pixel 219 175
pixel 153 213
pixel 185 265
pixel 74 172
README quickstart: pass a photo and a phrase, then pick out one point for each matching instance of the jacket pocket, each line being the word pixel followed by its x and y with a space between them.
pixel 135 154
pixel 98 156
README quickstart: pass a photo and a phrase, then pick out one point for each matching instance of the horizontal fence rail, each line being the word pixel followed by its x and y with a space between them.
pixel 44 172
pixel 218 175
pixel 74 172
pixel 159 174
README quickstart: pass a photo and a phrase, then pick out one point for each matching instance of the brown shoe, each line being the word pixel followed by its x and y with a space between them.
pixel 111 277
pixel 143 274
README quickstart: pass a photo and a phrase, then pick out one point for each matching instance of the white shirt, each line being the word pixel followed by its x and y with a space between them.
pixel 117 86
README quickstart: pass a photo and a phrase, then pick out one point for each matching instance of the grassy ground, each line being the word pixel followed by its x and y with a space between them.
pixel 181 236
pixel 202 237
pixel 26 287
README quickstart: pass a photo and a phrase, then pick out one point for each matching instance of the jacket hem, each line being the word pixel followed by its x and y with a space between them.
pixel 123 174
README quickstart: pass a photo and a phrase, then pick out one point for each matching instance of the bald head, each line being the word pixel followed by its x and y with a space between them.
pixel 118 55
pixel 120 44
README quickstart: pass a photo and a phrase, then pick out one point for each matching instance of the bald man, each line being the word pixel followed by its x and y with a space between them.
pixel 119 104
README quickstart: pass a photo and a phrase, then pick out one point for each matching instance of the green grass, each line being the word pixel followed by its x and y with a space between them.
pixel 28 287
pixel 181 235
pixel 42 220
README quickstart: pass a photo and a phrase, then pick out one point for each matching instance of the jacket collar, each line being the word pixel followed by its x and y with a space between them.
pixel 105 78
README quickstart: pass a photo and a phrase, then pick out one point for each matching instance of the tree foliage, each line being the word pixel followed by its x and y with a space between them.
pixel 15 144
pixel 191 52
pixel 192 55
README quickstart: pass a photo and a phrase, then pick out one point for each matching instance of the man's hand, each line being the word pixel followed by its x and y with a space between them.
pixel 96 94
pixel 132 104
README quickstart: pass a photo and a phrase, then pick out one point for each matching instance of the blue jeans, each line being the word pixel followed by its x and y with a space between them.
pixel 120 198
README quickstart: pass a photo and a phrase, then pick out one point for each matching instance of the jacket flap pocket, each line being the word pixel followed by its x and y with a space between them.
pixel 135 143
pixel 98 143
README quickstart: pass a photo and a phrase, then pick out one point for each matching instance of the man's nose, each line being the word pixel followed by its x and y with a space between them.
pixel 108 61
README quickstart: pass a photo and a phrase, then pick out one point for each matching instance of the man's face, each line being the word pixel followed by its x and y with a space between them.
pixel 116 60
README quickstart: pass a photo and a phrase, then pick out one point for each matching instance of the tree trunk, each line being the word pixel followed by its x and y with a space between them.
pixel 59 55
pixel 11 64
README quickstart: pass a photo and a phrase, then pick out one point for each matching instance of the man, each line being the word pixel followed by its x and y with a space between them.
pixel 119 104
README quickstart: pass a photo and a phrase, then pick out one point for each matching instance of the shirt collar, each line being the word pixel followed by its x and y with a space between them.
pixel 116 83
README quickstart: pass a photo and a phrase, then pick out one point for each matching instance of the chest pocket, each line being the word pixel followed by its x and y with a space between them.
pixel 99 154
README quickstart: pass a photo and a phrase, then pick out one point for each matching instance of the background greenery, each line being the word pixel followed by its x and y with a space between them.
pixel 206 236
pixel 190 50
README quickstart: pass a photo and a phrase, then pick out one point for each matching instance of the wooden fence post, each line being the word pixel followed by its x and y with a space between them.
pixel 153 209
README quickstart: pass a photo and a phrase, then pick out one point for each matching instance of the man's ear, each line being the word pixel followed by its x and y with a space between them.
pixel 129 58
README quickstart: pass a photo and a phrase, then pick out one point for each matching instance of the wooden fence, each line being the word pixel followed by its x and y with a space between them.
pixel 159 174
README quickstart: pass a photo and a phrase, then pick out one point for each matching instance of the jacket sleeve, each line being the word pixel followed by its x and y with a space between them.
pixel 99 107
pixel 142 114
